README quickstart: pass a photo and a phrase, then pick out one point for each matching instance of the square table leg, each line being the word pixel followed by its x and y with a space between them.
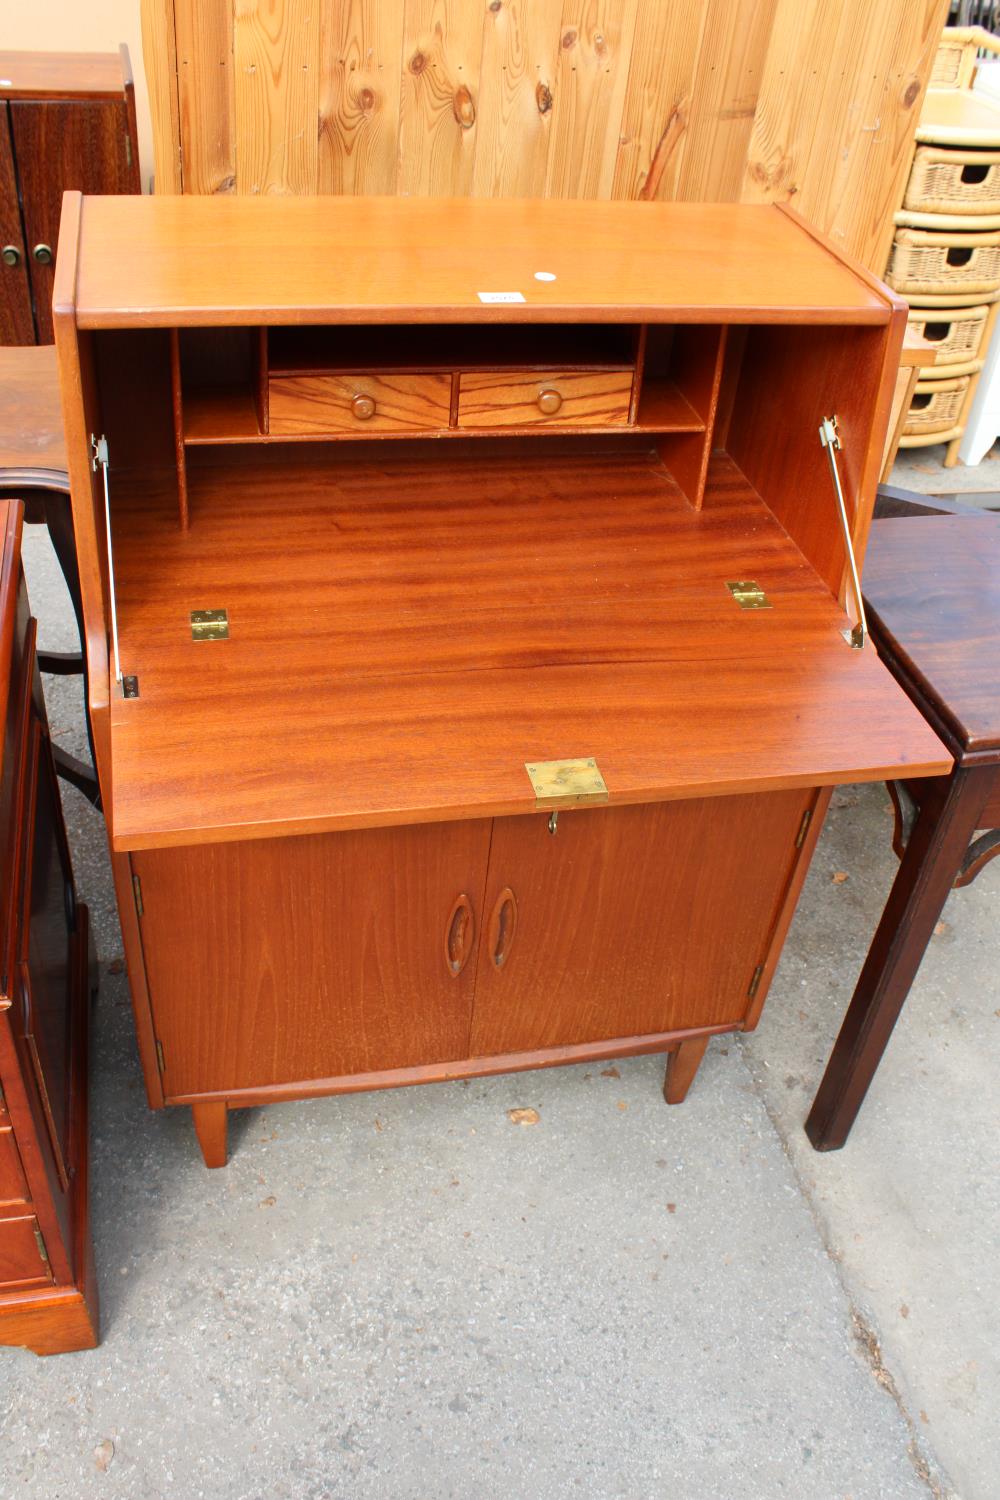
pixel 948 818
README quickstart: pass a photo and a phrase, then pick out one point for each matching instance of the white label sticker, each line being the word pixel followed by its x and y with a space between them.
pixel 500 296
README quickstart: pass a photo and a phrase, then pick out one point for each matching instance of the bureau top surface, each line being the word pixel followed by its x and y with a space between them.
pixel 158 261
pixel 932 584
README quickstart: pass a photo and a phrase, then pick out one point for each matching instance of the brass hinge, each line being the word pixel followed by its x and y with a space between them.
pixel 39 1241
pixel 128 149
pixel 159 1056
pixel 137 890
pixel 800 837
pixel 209 625
pixel 748 594
pixel 758 975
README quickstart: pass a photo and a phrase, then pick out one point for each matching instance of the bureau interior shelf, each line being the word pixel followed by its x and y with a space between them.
pixel 322 383
pixel 415 670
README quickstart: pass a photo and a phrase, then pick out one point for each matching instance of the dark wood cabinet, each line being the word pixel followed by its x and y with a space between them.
pixel 476 665
pixel 48 1298
pixel 67 121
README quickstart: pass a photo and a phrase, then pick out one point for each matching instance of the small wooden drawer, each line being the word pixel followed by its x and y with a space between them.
pixel 22 1258
pixel 13 1186
pixel 358 403
pixel 539 398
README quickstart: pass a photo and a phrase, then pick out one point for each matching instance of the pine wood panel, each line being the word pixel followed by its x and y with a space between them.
pixel 360 45
pixel 731 58
pixel 839 144
pixel 159 51
pixel 595 46
pixel 657 107
pixel 517 79
pixel 614 940
pixel 703 100
pixel 276 76
pixel 442 45
pixel 206 108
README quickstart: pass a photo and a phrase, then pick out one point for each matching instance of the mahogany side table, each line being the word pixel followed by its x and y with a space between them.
pixel 932 587
pixel 33 469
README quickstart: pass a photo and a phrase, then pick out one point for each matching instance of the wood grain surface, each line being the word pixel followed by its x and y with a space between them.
pixel 17 325
pixel 613 939
pixel 510 399
pixel 336 948
pixel 323 403
pixel 701 100
pixel 933 586
pixel 31 431
pixel 412 693
pixel 230 260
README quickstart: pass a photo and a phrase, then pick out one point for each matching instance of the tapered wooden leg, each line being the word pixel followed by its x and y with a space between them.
pixel 948 817
pixel 210 1128
pixel 682 1064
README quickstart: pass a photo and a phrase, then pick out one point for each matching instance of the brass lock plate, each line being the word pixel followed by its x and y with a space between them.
pixel 209 625
pixel 748 594
pixel 565 783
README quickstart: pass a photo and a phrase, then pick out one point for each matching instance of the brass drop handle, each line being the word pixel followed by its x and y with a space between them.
pixel 503 925
pixel 43 254
pixel 549 401
pixel 363 407
pixel 10 255
pixel 459 935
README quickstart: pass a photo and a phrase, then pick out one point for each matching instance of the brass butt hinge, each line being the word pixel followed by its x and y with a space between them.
pixel 748 593
pixel 128 149
pixel 800 837
pixel 159 1057
pixel 758 975
pixel 40 1242
pixel 137 890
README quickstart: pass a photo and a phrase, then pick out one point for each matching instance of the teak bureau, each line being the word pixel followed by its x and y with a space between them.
pixel 464 586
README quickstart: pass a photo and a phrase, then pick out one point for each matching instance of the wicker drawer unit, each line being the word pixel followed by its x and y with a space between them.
pixel 958 334
pixel 954 182
pixel 922 261
pixel 936 408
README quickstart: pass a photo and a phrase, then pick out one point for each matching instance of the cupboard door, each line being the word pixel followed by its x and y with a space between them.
pixel 629 921
pixel 61 145
pixel 289 959
pixel 16 323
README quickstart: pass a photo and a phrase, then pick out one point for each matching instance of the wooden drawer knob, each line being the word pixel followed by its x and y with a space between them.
pixel 363 407
pixel 549 402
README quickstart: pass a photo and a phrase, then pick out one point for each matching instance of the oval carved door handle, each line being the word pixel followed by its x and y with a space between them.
pixel 363 407
pixel 503 925
pixel 549 402
pixel 458 936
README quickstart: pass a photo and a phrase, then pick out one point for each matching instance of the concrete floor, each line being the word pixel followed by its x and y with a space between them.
pixel 406 1295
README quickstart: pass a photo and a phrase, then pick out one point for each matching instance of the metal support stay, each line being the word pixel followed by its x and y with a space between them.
pixel 99 458
pixel 829 436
